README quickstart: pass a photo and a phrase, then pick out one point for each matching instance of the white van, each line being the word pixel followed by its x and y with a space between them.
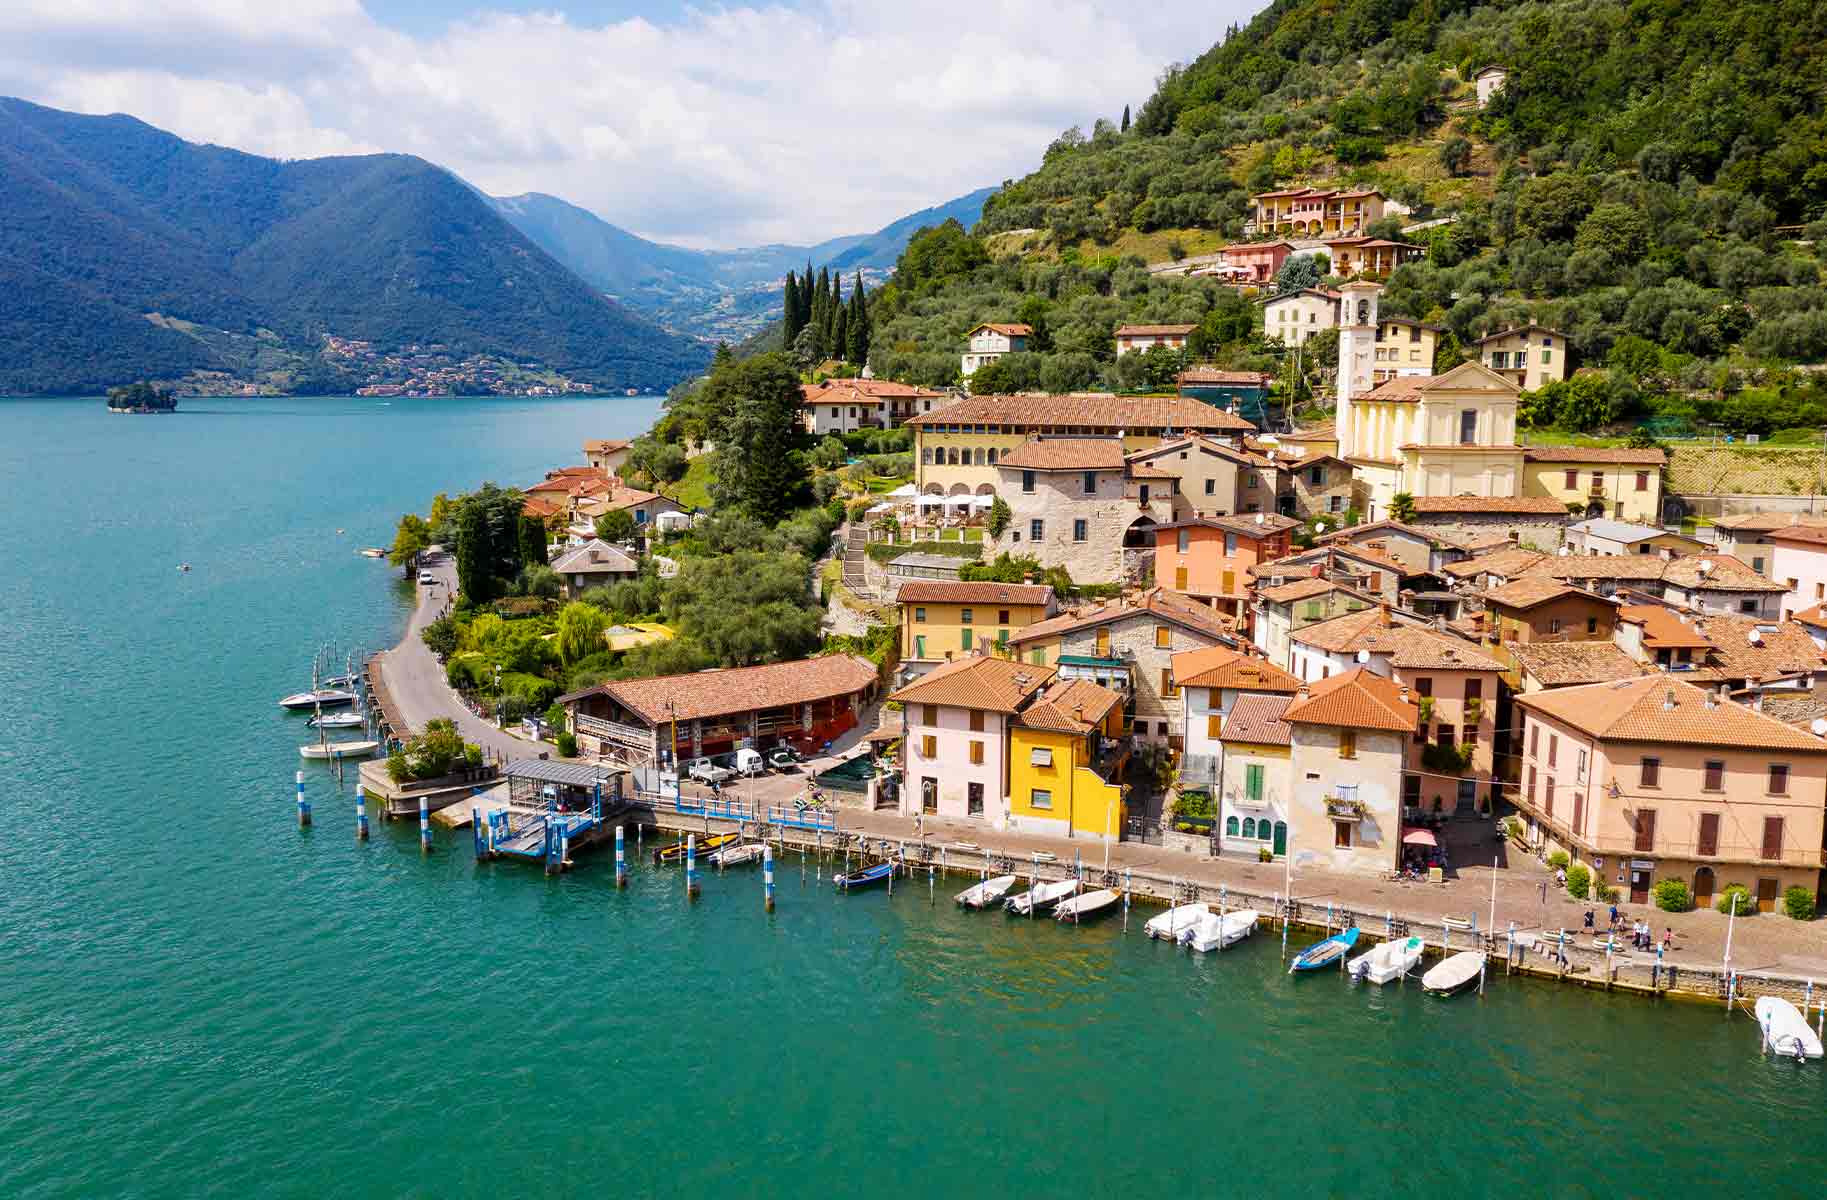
pixel 749 762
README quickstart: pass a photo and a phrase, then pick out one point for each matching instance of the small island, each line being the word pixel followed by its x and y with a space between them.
pixel 141 397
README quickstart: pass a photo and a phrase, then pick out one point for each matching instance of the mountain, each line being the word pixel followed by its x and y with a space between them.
pixel 726 294
pixel 127 252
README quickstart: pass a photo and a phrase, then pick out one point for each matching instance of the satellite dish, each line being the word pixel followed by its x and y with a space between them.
pixel 1565 551
pixel 1363 656
pixel 1755 637
pixel 1819 726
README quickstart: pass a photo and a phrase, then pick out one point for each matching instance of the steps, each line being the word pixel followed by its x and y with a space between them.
pixel 856 545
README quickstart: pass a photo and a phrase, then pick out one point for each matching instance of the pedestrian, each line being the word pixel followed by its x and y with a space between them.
pixel 1614 918
pixel 1544 891
pixel 1668 938
pixel 1589 918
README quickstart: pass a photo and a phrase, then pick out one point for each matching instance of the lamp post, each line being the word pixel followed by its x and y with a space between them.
pixel 498 696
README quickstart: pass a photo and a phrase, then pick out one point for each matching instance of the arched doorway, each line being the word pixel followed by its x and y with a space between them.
pixel 1140 535
pixel 1703 887
pixel 1595 509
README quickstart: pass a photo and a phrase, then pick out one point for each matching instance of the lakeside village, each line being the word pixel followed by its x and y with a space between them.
pixel 1367 658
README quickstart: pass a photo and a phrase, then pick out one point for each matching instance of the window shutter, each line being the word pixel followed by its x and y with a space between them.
pixel 1773 837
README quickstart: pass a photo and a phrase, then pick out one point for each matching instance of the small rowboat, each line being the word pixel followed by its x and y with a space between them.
pixel 1324 953
pixel 873 874
pixel 1785 1029
pixel 982 895
pixel 1041 898
pixel 341 720
pixel 1388 961
pixel 1175 921
pixel 1453 974
pixel 338 749
pixel 1086 904
pixel 676 851
pixel 735 856
pixel 1214 932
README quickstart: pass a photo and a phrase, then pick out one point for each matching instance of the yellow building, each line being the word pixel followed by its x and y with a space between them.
pixel 1533 356
pixel 1615 482
pixel 944 619
pixel 956 449
pixel 1066 755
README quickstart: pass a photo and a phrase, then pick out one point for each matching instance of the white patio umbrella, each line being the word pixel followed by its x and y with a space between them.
pixel 906 491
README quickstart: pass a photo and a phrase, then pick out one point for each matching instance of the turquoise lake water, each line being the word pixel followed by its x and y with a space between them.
pixel 198 999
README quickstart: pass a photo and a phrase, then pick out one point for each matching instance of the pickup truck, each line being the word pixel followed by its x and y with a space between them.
pixel 705 771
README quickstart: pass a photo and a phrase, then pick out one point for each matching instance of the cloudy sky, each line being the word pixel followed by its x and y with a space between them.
pixel 708 125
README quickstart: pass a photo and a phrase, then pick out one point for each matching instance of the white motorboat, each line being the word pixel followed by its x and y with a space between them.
pixel 1214 932
pixel 341 720
pixel 319 698
pixel 982 895
pixel 1786 1030
pixel 1453 974
pixel 1086 904
pixel 338 749
pixel 1041 898
pixel 1391 960
pixel 373 552
pixel 1175 921
pixel 735 856
pixel 340 681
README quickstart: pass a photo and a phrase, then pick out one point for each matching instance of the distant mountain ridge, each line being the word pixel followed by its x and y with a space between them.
pixel 127 252
pixel 715 293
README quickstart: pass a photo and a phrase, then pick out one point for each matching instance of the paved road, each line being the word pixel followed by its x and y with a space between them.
pixel 415 679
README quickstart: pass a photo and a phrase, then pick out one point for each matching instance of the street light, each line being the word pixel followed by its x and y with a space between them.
pixel 498 724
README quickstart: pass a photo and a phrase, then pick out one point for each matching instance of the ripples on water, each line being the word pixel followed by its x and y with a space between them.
pixel 197 999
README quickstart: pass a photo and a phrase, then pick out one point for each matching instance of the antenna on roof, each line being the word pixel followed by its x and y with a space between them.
pixel 1363 656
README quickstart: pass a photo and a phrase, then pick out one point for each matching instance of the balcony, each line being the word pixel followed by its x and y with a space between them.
pixel 1344 810
pixel 632 736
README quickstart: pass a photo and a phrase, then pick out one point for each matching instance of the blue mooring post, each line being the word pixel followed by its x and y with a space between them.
pixel 691 866
pixel 304 806
pixel 1655 972
pixel 475 829
pixel 596 803
pixel 424 826
pixel 767 876
pixel 361 815
pixel 621 858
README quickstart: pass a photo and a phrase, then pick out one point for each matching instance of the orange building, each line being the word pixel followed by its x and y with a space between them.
pixel 1212 558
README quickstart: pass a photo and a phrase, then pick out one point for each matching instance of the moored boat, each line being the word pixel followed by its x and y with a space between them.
pixel 1175 921
pixel 1215 932
pixel 704 845
pixel 1391 960
pixel 360 749
pixel 864 877
pixel 319 698
pixel 1041 898
pixel 986 893
pixel 341 720
pixel 1785 1029
pixel 1325 953
pixel 735 856
pixel 1087 904
pixel 1454 973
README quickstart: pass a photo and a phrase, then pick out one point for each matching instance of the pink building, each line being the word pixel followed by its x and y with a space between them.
pixel 955 732
pixel 1258 262
pixel 1798 561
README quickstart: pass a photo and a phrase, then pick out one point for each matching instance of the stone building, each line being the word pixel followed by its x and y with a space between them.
pixel 1078 503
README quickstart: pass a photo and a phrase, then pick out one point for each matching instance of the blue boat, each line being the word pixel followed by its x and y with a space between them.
pixel 1326 953
pixel 863 878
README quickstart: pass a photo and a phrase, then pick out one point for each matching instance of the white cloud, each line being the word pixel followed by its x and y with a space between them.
pixel 727 126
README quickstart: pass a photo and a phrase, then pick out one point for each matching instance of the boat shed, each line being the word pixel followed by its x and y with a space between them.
pixel 573 783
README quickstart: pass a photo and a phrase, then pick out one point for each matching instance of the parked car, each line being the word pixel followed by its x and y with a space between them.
pixel 427 577
pixel 784 758
pixel 749 763
pixel 706 771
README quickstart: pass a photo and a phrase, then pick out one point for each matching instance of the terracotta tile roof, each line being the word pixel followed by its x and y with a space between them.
pixel 1192 441
pixel 1475 543
pixel 942 591
pixel 539 508
pixel 1319 433
pixel 1800 709
pixel 1782 648
pixel 1300 589
pixel 720 693
pixel 1223 667
pixel 1095 411
pixel 1351 532
pixel 1214 375
pixel 1254 525
pixel 1811 535
pixel 1006 330
pixel 1663 628
pixel 861 391
pixel 576 472
pixel 1070 706
pixel 977 681
pixel 1517 328
pixel 1599 566
pixel 1156 602
pixel 1506 563
pixel 1257 721
pixel 1066 454
pixel 1154 330
pixel 1813 615
pixel 1357 699
pixel 1530 591
pixel 572 486
pixel 606 445
pixel 1661 708
pixel 1721 574
pixel 1339 635
pixel 1762 522
pixel 1594 454
pixel 1558 664
pixel 1409 647
pixel 595 558
pixel 620 495
pixel 1437 505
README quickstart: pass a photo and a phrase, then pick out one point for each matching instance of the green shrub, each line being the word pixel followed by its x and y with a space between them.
pixel 1798 902
pixel 1747 903
pixel 567 745
pixel 398 769
pixel 555 716
pixel 1264 854
pixel 1579 881
pixel 1558 859
pixel 1671 895
pixel 472 754
pixel 1193 804
pixel 1604 891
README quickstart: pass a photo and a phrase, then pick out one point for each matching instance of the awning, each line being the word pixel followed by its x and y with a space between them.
pixel 880 508
pixel 906 491
pixel 1418 837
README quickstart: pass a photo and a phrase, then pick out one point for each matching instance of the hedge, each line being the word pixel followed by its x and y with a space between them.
pixel 1798 902
pixel 885 551
pixel 1671 895
pixel 1579 881
pixel 1746 906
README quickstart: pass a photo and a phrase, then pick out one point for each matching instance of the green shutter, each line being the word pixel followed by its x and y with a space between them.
pixel 964 639
pixel 1252 782
pixel 920 645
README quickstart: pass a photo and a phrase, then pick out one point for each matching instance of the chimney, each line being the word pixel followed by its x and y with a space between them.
pixel 1405 693
pixel 1757 702
pixel 1305 694
pixel 1712 699
pixel 1668 700
pixel 1383 620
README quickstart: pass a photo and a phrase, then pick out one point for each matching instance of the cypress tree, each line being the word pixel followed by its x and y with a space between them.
pixel 805 297
pixel 790 311
pixel 858 349
pixel 835 315
pixel 840 332
pixel 1125 118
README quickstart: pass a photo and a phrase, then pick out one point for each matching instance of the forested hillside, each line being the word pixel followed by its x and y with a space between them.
pixel 126 252
pixel 1651 180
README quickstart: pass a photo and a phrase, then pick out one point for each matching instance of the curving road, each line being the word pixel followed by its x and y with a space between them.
pixel 415 682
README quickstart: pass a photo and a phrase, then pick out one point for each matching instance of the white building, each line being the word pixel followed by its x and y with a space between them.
pixel 990 341
pixel 1350 735
pixel 1297 316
